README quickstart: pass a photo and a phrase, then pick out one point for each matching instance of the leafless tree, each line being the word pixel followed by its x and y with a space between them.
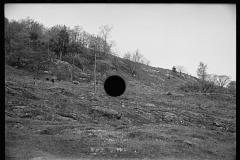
pixel 105 34
pixel 133 60
pixel 222 80
pixel 213 78
pixel 145 61
pixel 219 80
pixel 180 69
pixel 202 71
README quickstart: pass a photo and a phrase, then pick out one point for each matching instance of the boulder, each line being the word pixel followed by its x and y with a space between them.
pixel 170 116
pixel 150 105
pixel 105 112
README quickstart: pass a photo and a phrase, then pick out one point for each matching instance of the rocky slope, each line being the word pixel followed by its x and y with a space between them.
pixel 62 120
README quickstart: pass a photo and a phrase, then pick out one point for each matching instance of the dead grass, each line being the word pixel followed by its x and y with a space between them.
pixel 54 120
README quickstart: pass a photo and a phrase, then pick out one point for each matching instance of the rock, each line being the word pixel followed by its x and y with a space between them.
pixel 170 116
pixel 150 105
pixel 217 124
pixel 189 143
pixel 47 71
pixel 168 93
pixel 20 107
pixel 105 112
pixel 75 82
pixel 27 116
pixel 14 102
pixel 119 149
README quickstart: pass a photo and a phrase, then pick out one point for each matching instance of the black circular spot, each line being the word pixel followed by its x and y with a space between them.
pixel 114 86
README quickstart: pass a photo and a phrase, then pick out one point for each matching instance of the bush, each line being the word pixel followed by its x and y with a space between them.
pixel 199 86
pixel 174 69
pixel 67 58
pixel 232 87
pixel 190 87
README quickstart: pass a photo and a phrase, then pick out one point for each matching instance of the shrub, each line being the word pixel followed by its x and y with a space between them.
pixel 199 86
pixel 174 69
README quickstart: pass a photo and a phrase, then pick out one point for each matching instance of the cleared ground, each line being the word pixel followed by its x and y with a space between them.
pixel 61 120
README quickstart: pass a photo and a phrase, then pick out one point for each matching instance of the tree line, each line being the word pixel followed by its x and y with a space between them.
pixel 209 83
pixel 28 44
pixel 31 45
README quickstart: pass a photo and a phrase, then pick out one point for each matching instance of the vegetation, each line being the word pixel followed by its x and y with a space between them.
pixel 151 120
pixel 28 44
pixel 174 69
pixel 208 83
pixel 202 71
pixel 232 87
pixel 134 60
pixel 180 69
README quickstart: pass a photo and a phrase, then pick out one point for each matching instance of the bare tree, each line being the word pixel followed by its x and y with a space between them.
pixel 105 34
pixel 222 80
pixel 202 71
pixel 145 61
pixel 180 69
pixel 136 57
pixel 127 56
pixel 133 60
pixel 213 78
pixel 128 60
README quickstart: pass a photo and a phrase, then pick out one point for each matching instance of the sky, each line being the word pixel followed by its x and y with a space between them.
pixel 166 34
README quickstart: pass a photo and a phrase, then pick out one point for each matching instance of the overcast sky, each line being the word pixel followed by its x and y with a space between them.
pixel 166 34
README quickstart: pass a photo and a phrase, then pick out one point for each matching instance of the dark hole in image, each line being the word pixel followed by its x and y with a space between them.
pixel 114 86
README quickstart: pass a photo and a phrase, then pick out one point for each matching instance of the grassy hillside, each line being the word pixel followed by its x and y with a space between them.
pixel 62 120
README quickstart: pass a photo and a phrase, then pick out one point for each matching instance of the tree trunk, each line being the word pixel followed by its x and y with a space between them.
pixel 61 52
pixel 72 69
pixel 48 51
pixel 11 46
pixel 71 75
pixel 95 76
pixel 60 56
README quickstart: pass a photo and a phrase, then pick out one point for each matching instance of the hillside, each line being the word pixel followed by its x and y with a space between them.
pixel 62 120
